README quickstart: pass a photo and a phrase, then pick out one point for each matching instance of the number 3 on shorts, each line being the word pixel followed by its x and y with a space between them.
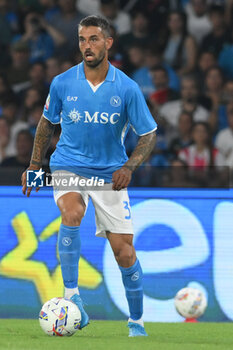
pixel 127 208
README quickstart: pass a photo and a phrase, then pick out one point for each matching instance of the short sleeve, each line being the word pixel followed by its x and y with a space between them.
pixel 138 113
pixel 53 105
pixel 219 160
pixel 183 155
pixel 220 142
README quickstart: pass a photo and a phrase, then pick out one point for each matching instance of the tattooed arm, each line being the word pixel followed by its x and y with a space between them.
pixel 44 133
pixel 143 149
pixel 122 177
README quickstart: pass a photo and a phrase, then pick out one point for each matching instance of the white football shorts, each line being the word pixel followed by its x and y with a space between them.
pixel 112 208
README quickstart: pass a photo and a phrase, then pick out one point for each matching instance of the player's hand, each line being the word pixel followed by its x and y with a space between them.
pixel 26 189
pixel 121 178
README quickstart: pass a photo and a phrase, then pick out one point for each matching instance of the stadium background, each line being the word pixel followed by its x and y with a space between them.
pixel 192 244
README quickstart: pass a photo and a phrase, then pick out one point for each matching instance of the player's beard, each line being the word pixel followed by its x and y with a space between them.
pixel 95 62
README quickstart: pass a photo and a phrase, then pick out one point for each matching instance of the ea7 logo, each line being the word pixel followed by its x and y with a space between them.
pixel 72 98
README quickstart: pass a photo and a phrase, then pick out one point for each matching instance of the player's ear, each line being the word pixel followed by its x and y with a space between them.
pixel 109 42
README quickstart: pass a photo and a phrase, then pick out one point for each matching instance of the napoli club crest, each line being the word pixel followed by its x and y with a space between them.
pixel 115 101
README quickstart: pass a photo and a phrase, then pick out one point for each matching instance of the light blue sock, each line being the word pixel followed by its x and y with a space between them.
pixel 69 246
pixel 132 280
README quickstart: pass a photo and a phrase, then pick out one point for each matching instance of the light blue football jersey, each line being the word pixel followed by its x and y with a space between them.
pixel 94 124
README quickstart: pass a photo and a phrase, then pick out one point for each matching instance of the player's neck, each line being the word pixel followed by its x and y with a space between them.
pixel 98 74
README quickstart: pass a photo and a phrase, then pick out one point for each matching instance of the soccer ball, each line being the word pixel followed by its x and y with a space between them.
pixel 190 302
pixel 60 317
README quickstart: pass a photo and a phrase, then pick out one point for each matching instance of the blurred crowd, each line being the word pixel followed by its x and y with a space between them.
pixel 180 52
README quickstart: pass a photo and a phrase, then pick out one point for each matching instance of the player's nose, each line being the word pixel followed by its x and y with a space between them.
pixel 87 45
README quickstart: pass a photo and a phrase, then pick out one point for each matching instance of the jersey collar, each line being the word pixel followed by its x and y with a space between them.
pixel 110 76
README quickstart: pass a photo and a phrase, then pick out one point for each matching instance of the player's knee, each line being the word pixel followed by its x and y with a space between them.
pixel 72 216
pixel 125 255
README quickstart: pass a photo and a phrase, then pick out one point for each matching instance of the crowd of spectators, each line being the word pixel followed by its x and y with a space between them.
pixel 180 52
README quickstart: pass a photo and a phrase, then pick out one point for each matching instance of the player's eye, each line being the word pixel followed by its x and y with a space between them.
pixel 81 40
pixel 93 39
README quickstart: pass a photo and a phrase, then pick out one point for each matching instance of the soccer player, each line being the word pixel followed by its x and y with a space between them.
pixel 95 103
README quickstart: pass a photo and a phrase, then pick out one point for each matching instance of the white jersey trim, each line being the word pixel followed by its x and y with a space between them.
pixel 123 132
pixel 114 76
pixel 149 132
pixel 95 87
pixel 50 120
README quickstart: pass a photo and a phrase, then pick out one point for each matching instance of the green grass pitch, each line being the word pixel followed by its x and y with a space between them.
pixel 113 335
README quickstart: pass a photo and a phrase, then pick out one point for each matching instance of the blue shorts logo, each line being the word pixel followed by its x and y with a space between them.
pixel 35 178
pixel 135 276
pixel 66 241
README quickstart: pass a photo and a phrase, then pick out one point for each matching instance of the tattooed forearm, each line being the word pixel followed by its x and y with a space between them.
pixel 44 133
pixel 143 149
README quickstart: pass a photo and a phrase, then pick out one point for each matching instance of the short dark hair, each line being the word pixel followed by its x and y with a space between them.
pixel 216 9
pixel 190 76
pixel 37 105
pixel 208 52
pixel 189 114
pixel 10 101
pixel 38 63
pixel 217 68
pixel 107 2
pixel 26 133
pixel 159 67
pixel 96 21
